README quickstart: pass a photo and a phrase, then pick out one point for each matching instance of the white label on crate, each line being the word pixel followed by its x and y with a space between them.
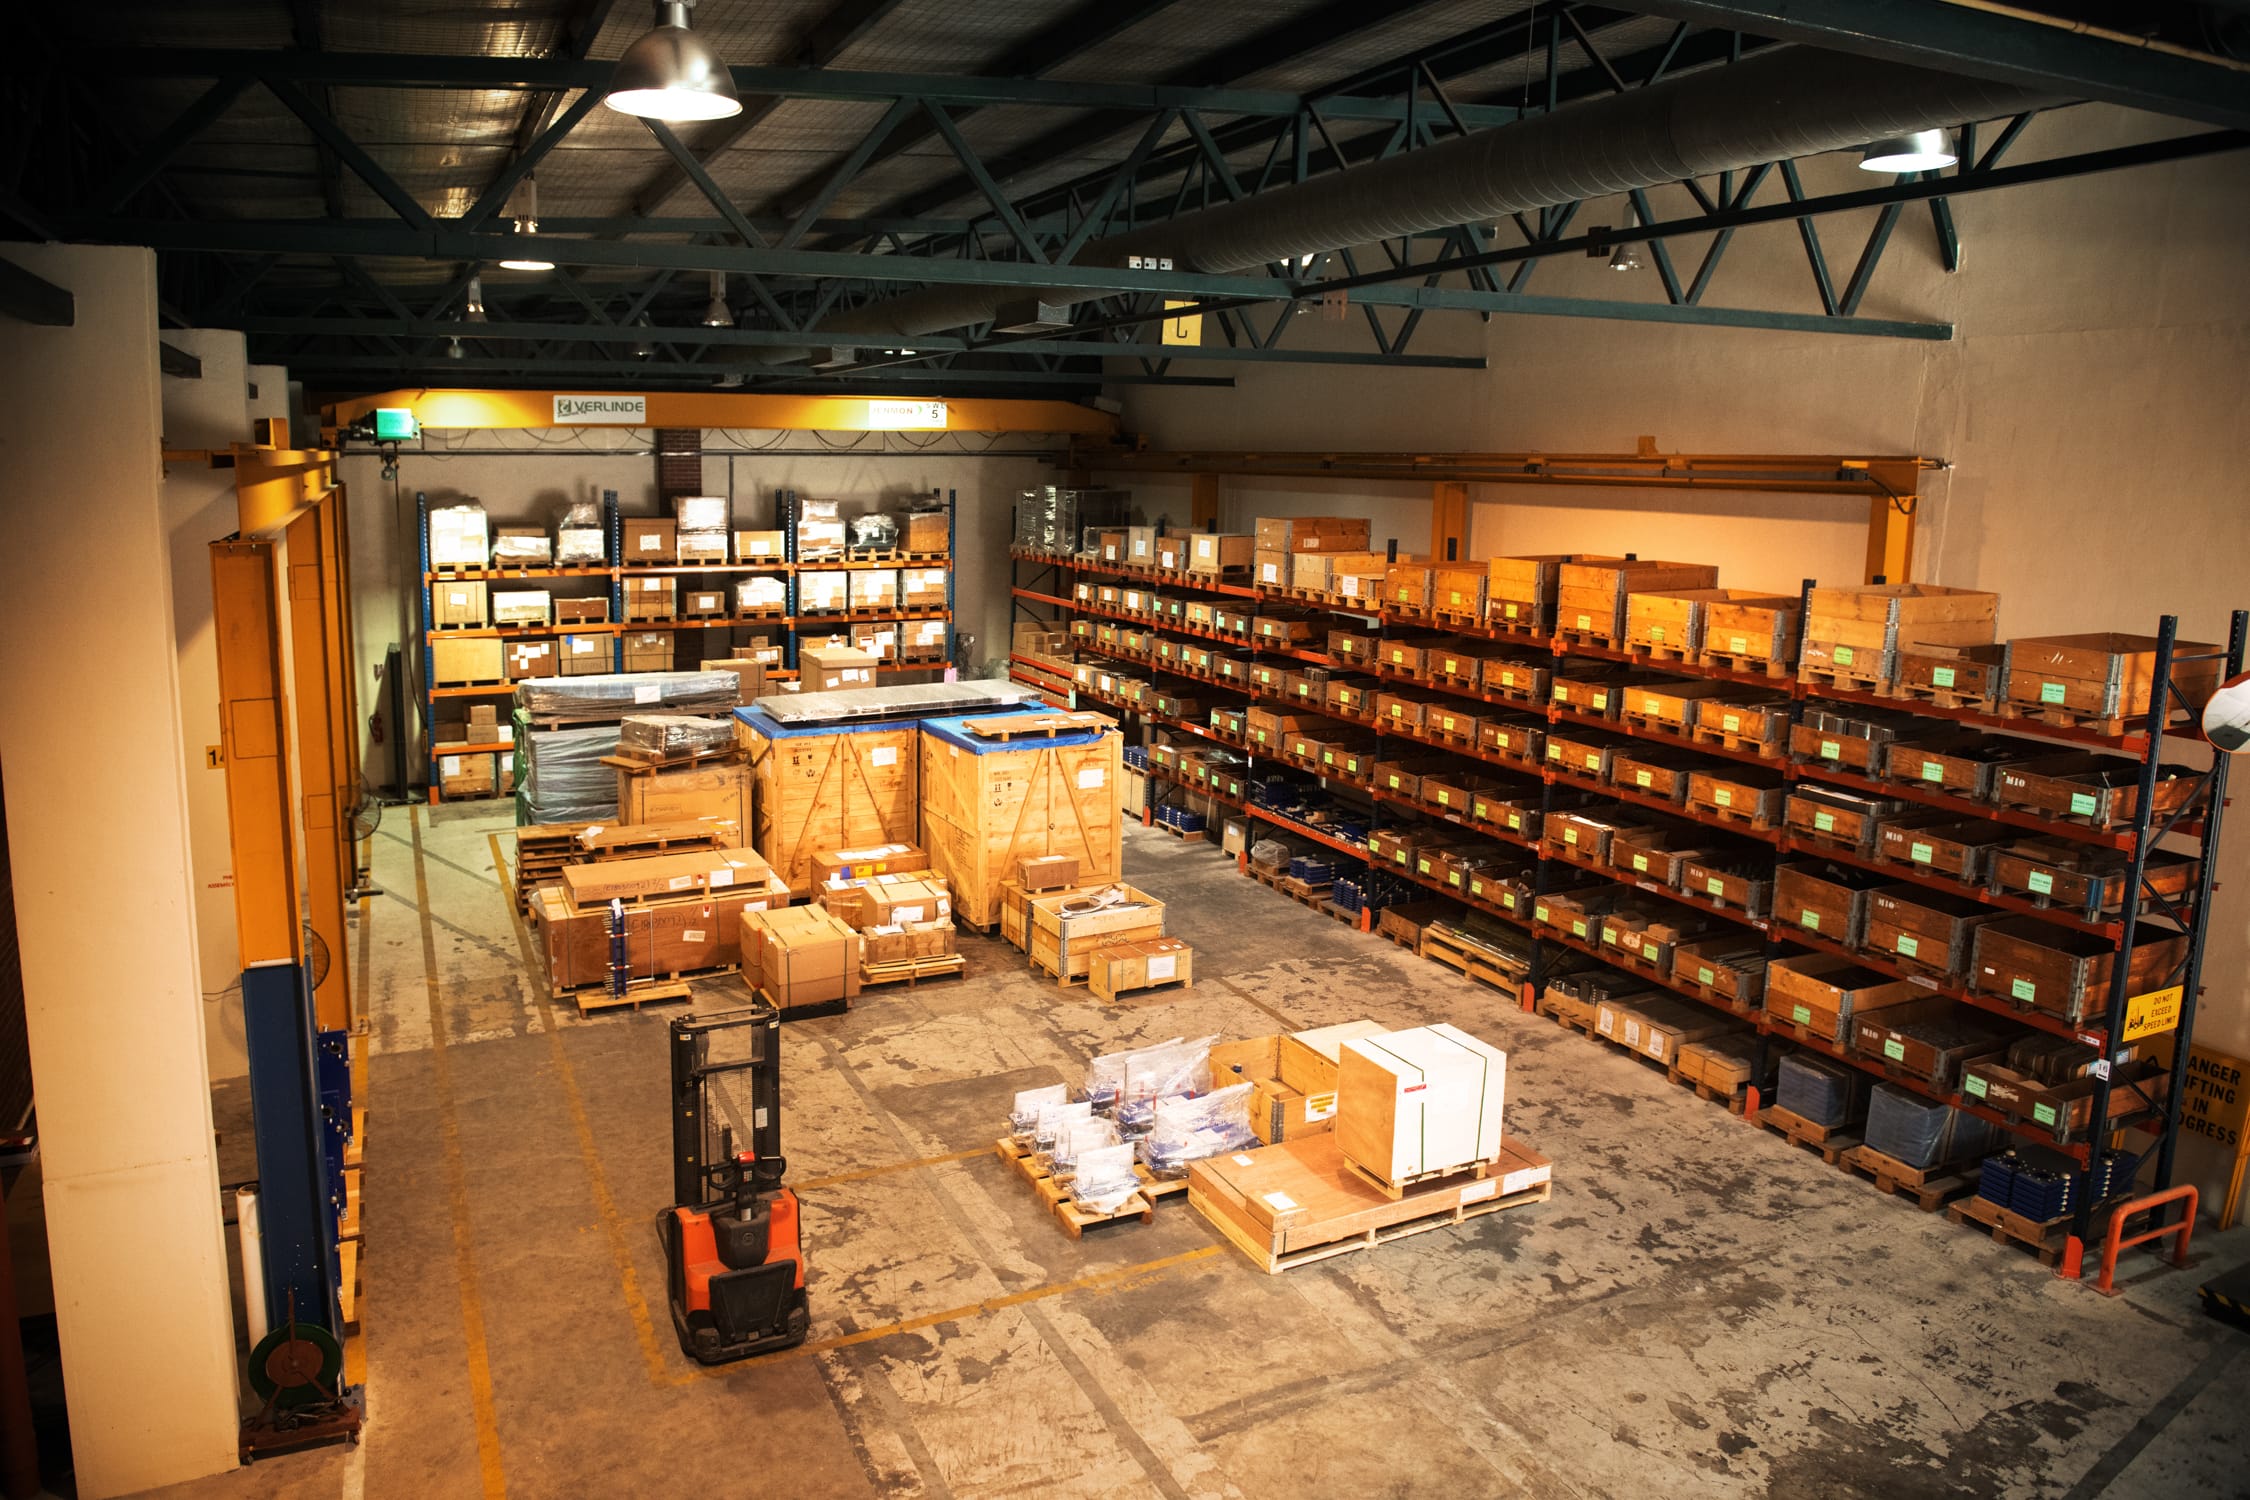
pixel 1092 776
pixel 883 755
pixel 457 598
pixel 1166 967
pixel 650 542
pixel 1524 1179
pixel 691 935
pixel 907 914
pixel 1320 1106
pixel 1632 1032
pixel 1477 1192
pixel 679 882
pixel 1270 572
pixel 450 766
pixel 722 877
pixel 648 694
pixel 1280 1203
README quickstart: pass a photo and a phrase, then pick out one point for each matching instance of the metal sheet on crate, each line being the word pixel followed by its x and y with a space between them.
pixel 917 700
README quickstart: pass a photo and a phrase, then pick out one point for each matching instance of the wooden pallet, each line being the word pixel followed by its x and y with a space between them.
pixel 1634 719
pixel 1928 1189
pixel 1844 679
pixel 661 992
pixel 1745 666
pixel 1156 1189
pixel 1446 1217
pixel 1469 961
pixel 2046 1241
pixel 355 1149
pixel 347 1283
pixel 1831 1142
pixel 347 1220
pixel 477 682
pixel 439 627
pixel 1184 835
pixel 1076 1220
pixel 911 971
pixel 1937 697
pixel 1734 1100
pixel 1712 812
pixel 1661 656
pixel 1742 744
pixel 1583 1025
pixel 641 762
pixel 1458 1176
pixel 2064 718
pixel 1600 640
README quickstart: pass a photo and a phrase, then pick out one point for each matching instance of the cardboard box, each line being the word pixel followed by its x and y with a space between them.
pixel 651 598
pixel 586 886
pixel 581 546
pixel 584 655
pixel 704 604
pixel 528 659
pixel 759 546
pixel 751 673
pixel 520 606
pixel 1217 552
pixel 459 537
pixel 1419 1102
pixel 878 641
pixel 921 588
pixel 807 957
pixel 651 540
pixel 663 936
pixel 832 865
pixel 826 668
pixel 685 793
pixel 1047 872
pixel 458 663
pixel 892 900
pixel 648 651
pixel 924 531
pixel 823 591
pixel 459 602
pixel 581 611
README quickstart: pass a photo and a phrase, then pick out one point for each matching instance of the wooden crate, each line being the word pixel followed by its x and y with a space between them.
pixel 1853 635
pixel 1825 995
pixel 1517 680
pixel 1729 967
pixel 1669 704
pixel 989 803
pixel 2102 677
pixel 1526 582
pixel 1406 586
pixel 1929 1039
pixel 1518 738
pixel 1747 795
pixel 1757 726
pixel 1751 633
pixel 1966 676
pixel 683 794
pixel 848 787
pixel 1966 765
pixel 2091 883
pixel 1828 899
pixel 1654 772
pixel 1823 815
pixel 1593 690
pixel 1590 594
pixel 1676 623
pixel 664 939
pixel 1941 842
pixel 1065 930
pixel 1739 883
pixel 2063 972
pixel 2065 1108
pixel 1929 932
pixel 2098 790
pixel 1457 591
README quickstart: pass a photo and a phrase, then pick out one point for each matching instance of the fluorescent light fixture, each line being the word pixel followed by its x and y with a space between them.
pixel 473 309
pixel 526 213
pixel 717 315
pixel 1923 151
pixel 672 74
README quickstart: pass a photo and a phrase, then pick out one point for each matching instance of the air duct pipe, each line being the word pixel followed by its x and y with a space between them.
pixel 1784 103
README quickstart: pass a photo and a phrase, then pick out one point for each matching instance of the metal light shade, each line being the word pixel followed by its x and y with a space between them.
pixel 526 211
pixel 672 74
pixel 1923 151
pixel 1624 258
pixel 472 308
pixel 717 314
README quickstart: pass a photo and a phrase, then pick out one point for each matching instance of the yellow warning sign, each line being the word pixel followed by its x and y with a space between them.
pixel 2152 1014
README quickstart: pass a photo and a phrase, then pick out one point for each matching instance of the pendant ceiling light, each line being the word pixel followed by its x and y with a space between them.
pixel 672 74
pixel 453 348
pixel 472 308
pixel 717 315
pixel 525 210
pixel 642 348
pixel 1624 258
pixel 1923 151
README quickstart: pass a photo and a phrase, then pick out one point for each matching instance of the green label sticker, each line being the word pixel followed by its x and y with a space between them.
pixel 2042 883
pixel 1652 705
pixel 1831 750
pixel 1723 795
pixel 1402 856
pixel 1601 700
pixel 1739 644
pixel 1504 739
pixel 1894 1049
pixel 2043 1113
pixel 1809 919
pixel 1511 611
pixel 1394 783
pixel 1656 634
pixel 1449 723
pixel 1539 913
pixel 1909 946
pixel 1593 762
pixel 1640 862
pixel 1922 854
pixel 1562 692
pixel 2082 804
pixel 1507 679
pixel 1932 771
pixel 1942 677
pixel 1570 836
pixel 1645 778
pixel 1824 821
pixel 1515 821
pixel 1450 666
pixel 1328 757
pixel 1554 752
pixel 1578 929
pixel 1843 655
pixel 1261 736
pixel 1801 1014
pixel 1453 877
pixel 1585 622
pixel 1973 1086
pixel 1704 976
pixel 1609 935
pixel 1422 867
pixel 2022 989
pixel 1731 723
pixel 2050 692
pixel 1715 885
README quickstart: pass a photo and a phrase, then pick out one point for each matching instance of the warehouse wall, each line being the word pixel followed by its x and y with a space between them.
pixel 539 472
pixel 2090 407
pixel 99 840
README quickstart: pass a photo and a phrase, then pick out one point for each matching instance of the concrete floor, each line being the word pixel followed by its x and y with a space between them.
pixel 1701 1310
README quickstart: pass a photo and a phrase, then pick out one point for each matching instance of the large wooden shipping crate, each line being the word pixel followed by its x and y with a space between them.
pixel 824 787
pixel 1000 788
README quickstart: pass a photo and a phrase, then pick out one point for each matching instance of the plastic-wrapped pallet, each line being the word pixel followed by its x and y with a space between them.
pixel 614 695
pixel 459 537
pixel 1103 1178
pixel 876 532
pixel 1155 1073
pixel 581 541
pixel 1823 1092
pixel 1105 1075
pixel 564 780
pixel 1184 1129
pixel 820 533
pixel 675 736
pixel 1922 1132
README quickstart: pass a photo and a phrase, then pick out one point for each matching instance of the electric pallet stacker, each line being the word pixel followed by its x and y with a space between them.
pixel 732 1251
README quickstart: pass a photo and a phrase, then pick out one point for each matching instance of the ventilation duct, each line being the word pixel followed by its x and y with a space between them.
pixel 1785 103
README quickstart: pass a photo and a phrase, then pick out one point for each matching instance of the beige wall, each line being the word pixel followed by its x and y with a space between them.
pixel 541 472
pixel 2090 407
pixel 104 907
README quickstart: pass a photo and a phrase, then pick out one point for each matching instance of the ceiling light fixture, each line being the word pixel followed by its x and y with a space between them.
pixel 453 348
pixel 672 74
pixel 642 348
pixel 1624 258
pixel 1922 151
pixel 473 309
pixel 716 315
pixel 525 211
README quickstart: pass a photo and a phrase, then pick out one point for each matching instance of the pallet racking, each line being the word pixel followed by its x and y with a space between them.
pixel 615 571
pixel 2123 1018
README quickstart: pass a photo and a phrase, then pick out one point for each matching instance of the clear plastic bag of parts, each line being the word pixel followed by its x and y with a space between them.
pixel 1049 1123
pixel 1023 1114
pixel 877 531
pixel 1183 1129
pixel 1105 1075
pixel 1076 1136
pixel 580 538
pixel 1104 1178
pixel 1161 1073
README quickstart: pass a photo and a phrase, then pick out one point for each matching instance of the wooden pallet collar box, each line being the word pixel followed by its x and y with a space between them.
pixel 829 787
pixel 1420 1101
pixel 1311 534
pixel 1219 552
pixel 1067 926
pixel 990 803
pixel 1860 629
pixel 1590 594
pixel 1119 967
pixel 662 937
pixel 1277 1110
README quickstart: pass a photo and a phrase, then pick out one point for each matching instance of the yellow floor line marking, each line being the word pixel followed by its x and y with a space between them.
pixel 884 1171
pixel 464 1249
pixel 1099 1281
pixel 613 1223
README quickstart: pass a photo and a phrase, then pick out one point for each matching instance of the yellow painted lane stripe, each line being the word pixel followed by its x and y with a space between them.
pixel 884 1171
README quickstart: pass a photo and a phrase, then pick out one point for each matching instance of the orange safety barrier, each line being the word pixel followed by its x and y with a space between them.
pixel 2116 1241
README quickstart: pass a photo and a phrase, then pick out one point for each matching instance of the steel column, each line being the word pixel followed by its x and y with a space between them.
pixel 327 852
